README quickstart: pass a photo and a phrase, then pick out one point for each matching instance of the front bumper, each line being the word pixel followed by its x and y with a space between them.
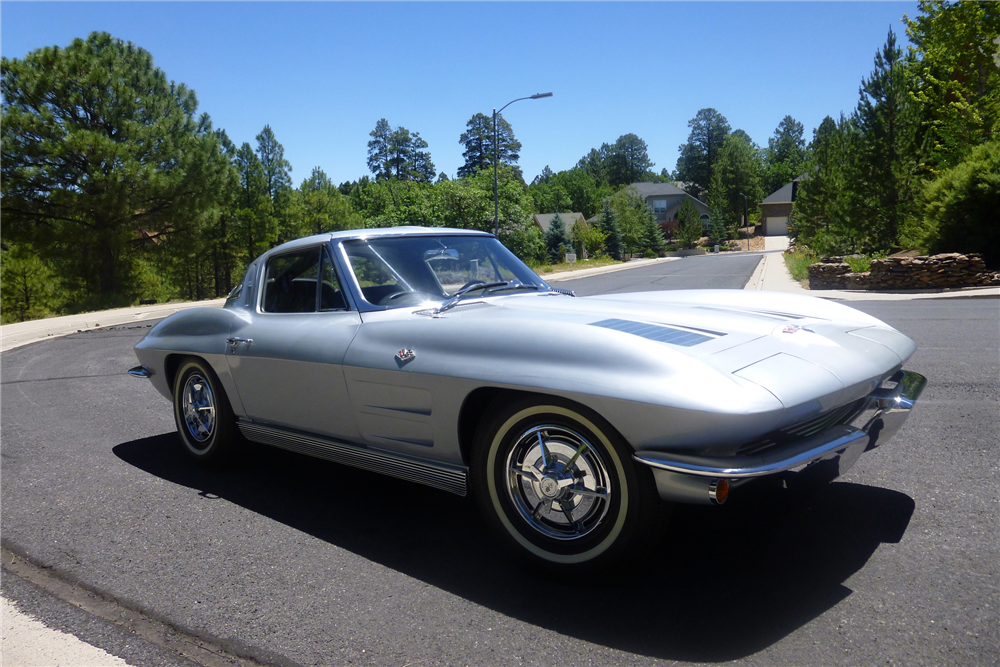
pixel 830 453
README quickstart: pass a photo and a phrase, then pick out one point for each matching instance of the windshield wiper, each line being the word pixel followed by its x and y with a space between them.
pixel 515 285
pixel 457 296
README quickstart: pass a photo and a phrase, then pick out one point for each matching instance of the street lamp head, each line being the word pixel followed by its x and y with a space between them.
pixel 538 96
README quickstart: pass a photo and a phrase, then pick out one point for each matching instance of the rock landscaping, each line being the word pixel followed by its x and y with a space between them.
pixel 904 273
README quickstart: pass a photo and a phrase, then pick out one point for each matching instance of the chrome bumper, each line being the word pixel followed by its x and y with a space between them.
pixel 140 372
pixel 687 478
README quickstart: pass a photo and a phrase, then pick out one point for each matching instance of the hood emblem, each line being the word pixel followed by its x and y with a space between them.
pixel 792 328
pixel 405 355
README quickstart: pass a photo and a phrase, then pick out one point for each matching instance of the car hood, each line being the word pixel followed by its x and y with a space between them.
pixel 798 348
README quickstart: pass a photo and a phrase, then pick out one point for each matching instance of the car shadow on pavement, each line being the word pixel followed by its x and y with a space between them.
pixel 722 584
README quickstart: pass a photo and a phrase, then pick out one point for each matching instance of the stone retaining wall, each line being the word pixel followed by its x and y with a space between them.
pixel 899 273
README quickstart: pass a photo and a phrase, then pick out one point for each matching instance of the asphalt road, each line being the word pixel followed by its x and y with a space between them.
pixel 296 561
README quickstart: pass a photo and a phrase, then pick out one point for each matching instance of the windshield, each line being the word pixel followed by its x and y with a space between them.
pixel 409 270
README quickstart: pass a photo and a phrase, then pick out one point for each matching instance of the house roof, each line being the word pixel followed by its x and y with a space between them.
pixel 781 196
pixel 543 220
pixel 654 189
pixel 785 194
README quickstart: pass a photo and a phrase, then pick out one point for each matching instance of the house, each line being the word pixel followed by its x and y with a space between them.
pixel 665 199
pixel 777 207
pixel 544 220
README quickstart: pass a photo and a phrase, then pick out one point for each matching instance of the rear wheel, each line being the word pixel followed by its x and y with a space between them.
pixel 558 485
pixel 204 418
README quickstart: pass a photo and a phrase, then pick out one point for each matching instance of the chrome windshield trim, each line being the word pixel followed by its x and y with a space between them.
pixel 827 443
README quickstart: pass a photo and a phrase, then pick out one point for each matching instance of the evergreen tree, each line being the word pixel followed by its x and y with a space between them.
pixel 556 240
pixel 479 145
pixel 543 177
pixel 627 161
pixel 253 205
pixel 737 173
pixel 272 160
pixel 278 185
pixel 380 150
pixel 695 165
pixel 826 214
pixel 99 149
pixel 785 154
pixel 888 182
pixel 611 231
pixel 593 163
pixel 689 227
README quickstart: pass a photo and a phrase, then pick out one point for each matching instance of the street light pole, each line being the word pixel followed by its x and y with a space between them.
pixel 746 220
pixel 496 157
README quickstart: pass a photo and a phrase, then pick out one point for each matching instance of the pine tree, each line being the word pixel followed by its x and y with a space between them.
pixel 100 148
pixel 695 165
pixel 555 240
pixel 888 122
pixel 689 228
pixel 612 233
pixel 479 145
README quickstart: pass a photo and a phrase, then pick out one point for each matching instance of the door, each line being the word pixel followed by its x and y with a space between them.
pixel 287 359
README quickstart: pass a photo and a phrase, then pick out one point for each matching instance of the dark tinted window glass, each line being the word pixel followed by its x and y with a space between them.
pixel 330 296
pixel 290 282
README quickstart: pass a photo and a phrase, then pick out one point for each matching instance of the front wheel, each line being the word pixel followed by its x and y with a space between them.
pixel 204 418
pixel 557 484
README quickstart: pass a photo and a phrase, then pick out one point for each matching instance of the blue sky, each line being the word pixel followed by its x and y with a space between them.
pixel 322 74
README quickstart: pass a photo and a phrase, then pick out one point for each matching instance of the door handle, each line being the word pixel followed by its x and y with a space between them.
pixel 234 343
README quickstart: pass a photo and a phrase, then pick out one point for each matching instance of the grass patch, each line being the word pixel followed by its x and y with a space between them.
pixel 798 263
pixel 581 264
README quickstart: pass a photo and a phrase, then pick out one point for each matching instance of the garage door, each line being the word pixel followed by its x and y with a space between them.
pixel 777 226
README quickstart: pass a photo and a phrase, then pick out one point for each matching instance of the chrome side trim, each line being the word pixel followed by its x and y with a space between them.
pixel 140 372
pixel 827 444
pixel 437 475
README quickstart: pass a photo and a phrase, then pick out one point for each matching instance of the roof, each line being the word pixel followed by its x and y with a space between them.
pixel 654 189
pixel 780 196
pixel 785 194
pixel 378 232
pixel 543 220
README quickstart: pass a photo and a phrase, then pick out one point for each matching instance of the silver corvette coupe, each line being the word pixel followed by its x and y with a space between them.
pixel 436 356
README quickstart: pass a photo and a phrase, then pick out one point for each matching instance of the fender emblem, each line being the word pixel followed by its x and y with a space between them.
pixel 405 355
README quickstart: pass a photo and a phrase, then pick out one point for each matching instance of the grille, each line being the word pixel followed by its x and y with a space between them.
pixel 804 429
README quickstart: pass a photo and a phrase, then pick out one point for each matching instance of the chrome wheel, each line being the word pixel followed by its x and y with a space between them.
pixel 558 482
pixel 204 418
pixel 198 407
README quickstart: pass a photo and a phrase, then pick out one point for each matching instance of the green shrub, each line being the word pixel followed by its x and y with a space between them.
pixel 962 207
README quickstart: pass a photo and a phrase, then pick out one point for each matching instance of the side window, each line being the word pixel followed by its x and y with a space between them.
pixel 290 282
pixel 330 295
